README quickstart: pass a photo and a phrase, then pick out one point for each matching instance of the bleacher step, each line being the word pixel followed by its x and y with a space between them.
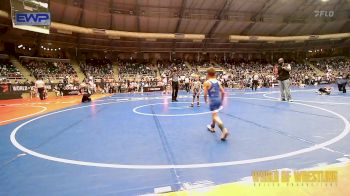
pixel 116 71
pixel 318 71
pixel 24 71
pixel 77 69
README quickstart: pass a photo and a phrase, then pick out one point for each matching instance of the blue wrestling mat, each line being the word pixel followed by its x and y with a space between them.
pixel 130 144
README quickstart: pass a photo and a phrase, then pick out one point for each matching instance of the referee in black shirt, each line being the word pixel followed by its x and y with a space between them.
pixel 174 84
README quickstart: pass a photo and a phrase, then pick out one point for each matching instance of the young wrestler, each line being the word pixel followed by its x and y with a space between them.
pixel 196 89
pixel 32 92
pixel 324 91
pixel 216 93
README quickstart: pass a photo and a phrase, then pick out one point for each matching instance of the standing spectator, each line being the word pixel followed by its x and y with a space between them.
pixel 255 82
pixel 187 84
pixel 283 79
pixel 60 86
pixel 40 86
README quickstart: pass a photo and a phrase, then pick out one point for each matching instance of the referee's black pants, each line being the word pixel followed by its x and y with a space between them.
pixel 41 93
pixel 175 90
pixel 342 87
pixel 187 87
pixel 255 84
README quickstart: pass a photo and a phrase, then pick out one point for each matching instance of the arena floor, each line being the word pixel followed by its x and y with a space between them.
pixel 136 144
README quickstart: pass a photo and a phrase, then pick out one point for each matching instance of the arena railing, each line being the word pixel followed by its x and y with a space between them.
pixel 45 59
pixel 302 38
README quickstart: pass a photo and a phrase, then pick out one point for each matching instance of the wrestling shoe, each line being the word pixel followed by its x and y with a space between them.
pixel 224 135
pixel 211 129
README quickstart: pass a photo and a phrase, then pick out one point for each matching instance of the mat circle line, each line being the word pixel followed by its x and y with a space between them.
pixel 179 166
pixel 24 116
pixel 169 115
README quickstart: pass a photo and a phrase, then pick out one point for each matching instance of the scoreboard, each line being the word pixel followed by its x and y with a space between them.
pixel 31 15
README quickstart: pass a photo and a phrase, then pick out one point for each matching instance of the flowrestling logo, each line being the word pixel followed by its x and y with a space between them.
pixel 324 13
pixel 33 18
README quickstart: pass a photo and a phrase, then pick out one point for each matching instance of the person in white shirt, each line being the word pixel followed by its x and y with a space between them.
pixel 40 87
pixel 196 89
pixel 187 84
pixel 255 81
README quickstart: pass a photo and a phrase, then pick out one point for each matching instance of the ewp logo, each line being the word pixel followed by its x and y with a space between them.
pixel 33 19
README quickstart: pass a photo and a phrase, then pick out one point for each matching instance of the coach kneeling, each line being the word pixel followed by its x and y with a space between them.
pixel 85 90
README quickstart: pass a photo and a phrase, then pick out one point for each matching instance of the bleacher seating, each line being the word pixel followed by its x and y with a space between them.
pixel 52 69
pixel 98 68
pixel 9 71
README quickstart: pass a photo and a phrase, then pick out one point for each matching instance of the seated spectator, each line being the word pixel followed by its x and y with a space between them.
pixel 9 71
pixel 97 68
pixel 49 70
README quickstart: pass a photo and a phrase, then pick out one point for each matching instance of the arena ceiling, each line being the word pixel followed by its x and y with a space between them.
pixel 217 19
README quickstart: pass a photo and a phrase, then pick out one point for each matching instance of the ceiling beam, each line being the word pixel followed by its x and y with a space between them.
pixel 64 10
pixel 137 13
pixel 81 15
pixel 345 28
pixel 111 6
pixel 287 18
pixel 219 16
pixel 138 25
pixel 81 5
pixel 264 8
pixel 181 15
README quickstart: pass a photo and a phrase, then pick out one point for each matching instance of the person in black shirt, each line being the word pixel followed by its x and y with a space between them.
pixel 342 81
pixel 60 86
pixel 283 76
pixel 175 84
pixel 85 90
